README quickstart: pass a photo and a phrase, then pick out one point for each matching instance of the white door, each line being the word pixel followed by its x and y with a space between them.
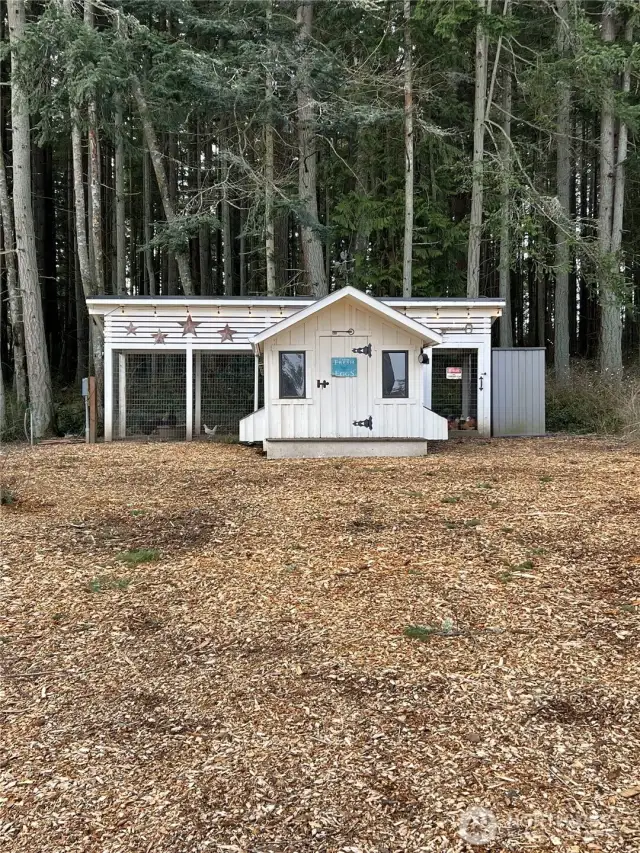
pixel 342 387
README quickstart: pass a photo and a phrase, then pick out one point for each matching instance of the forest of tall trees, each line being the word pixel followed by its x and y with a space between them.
pixel 240 147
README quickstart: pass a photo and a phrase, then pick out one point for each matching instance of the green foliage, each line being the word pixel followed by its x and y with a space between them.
pixel 104 583
pixel 69 412
pixel 525 566
pixel 505 576
pixel 139 555
pixel 7 496
pixel 588 404
pixel 419 632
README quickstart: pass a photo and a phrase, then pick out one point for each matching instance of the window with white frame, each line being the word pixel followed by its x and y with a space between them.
pixel 292 375
pixel 395 373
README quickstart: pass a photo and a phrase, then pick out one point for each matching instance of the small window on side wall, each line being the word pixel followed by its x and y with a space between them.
pixel 292 376
pixel 395 374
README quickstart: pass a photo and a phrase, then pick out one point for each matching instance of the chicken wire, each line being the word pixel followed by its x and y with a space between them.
pixel 454 397
pixel 227 391
pixel 156 395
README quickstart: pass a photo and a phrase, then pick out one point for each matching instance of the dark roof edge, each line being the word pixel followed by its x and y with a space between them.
pixel 480 300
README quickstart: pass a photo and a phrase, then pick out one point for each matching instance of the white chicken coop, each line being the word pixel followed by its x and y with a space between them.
pixel 347 375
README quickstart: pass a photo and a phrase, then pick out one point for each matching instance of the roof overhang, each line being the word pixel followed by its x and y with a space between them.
pixel 375 306
pixel 108 304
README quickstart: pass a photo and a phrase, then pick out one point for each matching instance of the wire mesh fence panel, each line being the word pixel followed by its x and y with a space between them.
pixel 227 391
pixel 155 396
pixel 454 384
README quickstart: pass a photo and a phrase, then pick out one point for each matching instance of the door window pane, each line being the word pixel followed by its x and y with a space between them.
pixel 292 374
pixel 395 370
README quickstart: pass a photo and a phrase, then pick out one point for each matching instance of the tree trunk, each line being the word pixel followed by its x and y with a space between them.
pixel 541 307
pixel 242 252
pixel 86 267
pixel 3 399
pixel 15 302
pixel 182 259
pixel 408 155
pixel 204 261
pixel 563 184
pixel 82 326
pixel 269 173
pixel 610 322
pixel 40 392
pixel 95 180
pixel 96 200
pixel 308 162
pixel 172 183
pixel 148 232
pixel 86 270
pixel 121 269
pixel 506 333
pixel 621 157
pixel 227 247
pixel 475 221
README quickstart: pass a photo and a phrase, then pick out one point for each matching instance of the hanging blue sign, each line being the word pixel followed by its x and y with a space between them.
pixel 344 366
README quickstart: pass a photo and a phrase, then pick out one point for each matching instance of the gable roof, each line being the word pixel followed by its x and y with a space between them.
pixel 369 302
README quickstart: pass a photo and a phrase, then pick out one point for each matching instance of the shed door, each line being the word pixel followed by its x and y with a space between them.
pixel 518 391
pixel 346 396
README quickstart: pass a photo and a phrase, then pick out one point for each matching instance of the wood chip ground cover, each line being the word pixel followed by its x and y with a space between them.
pixel 252 688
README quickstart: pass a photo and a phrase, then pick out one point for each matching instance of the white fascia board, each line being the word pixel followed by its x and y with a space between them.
pixel 107 306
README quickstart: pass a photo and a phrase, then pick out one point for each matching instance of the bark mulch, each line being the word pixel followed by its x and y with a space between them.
pixel 320 655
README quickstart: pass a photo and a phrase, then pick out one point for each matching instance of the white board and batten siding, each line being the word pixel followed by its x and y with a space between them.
pixel 329 412
pixel 247 317
pixel 133 328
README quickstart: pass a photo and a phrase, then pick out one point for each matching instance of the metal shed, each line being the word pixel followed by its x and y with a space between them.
pixel 518 391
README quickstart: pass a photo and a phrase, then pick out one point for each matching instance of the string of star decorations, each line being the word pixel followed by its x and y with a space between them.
pixel 189 327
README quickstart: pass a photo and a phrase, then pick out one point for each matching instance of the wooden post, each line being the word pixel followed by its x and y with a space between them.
pixel 93 410
pixel 189 381
pixel 256 382
pixel 466 385
pixel 197 425
pixel 484 383
pixel 122 394
pixel 427 373
pixel 108 393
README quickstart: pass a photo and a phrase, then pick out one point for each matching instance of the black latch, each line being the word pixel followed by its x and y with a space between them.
pixel 368 423
pixel 363 350
pixel 322 384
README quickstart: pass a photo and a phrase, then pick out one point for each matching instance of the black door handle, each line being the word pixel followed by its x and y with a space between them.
pixel 322 384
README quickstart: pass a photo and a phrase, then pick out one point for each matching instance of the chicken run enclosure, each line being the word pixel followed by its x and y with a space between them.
pixel 177 368
pixel 150 394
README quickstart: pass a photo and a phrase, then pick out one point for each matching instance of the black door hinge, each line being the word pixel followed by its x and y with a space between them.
pixel 368 423
pixel 363 350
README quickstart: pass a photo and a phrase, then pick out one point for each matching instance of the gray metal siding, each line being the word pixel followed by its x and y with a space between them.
pixel 518 377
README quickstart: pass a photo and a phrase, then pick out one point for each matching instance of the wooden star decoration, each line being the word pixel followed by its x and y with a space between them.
pixel 131 329
pixel 227 334
pixel 159 336
pixel 189 326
